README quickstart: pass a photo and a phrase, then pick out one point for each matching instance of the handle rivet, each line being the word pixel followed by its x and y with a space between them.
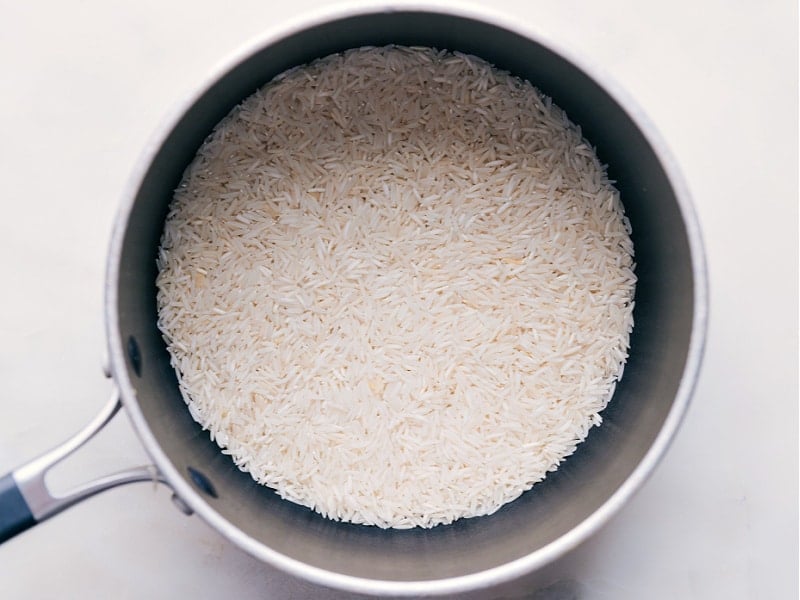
pixel 201 482
pixel 135 356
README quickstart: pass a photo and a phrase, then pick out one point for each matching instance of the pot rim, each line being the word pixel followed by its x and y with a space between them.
pixel 482 579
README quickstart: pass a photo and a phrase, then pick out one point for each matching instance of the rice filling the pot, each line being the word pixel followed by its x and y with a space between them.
pixel 397 286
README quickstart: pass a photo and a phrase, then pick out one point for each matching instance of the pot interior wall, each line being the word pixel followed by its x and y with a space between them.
pixel 663 320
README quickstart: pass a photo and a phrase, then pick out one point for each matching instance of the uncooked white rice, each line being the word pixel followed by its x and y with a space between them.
pixel 396 286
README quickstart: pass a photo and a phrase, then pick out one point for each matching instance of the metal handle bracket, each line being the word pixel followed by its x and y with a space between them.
pixel 30 477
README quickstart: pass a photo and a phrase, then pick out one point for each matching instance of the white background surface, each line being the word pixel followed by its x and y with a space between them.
pixel 84 84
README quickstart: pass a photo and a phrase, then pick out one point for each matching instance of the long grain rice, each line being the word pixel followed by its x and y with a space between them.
pixel 397 286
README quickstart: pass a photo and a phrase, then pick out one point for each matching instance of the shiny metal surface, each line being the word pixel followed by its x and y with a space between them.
pixel 30 477
pixel 558 514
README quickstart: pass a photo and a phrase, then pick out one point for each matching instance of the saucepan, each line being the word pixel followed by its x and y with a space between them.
pixel 470 555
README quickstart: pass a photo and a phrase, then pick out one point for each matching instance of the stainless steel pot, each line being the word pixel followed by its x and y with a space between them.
pixel 473 554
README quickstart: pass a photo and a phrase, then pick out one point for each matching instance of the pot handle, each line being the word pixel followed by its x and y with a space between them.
pixel 25 499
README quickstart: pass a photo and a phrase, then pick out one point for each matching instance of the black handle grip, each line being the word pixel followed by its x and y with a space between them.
pixel 15 515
